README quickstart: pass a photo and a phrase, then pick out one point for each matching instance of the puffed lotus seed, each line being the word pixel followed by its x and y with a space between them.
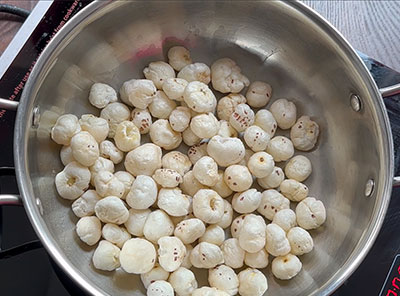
pixel 220 187
pixel 189 137
pixel 236 226
pixel 205 170
pixel 127 136
pixel 126 179
pixel 138 92
pixel 214 234
pixel 266 121
pixel 247 154
pixel 158 72
pixel 261 164
pixel 157 273
pixel 164 136
pixel 101 164
pixel 115 113
pixel 115 234
pixel 286 219
pixel 233 253
pixel 252 233
pixel 171 252
pixel 300 241
pixel 107 184
pixel 101 95
pixel 96 126
pixel 142 119
pixel 298 168
pixel 186 261
pixel 242 117
pixel 179 57
pixel 277 243
pixel 226 105
pixel 257 260
pixel 196 72
pixel 226 220
pixel 208 206
pixel 304 134
pixel 199 97
pixel 227 76
pixel 72 182
pixel 252 282
pixel 174 202
pixel 189 230
pixel 89 230
pixel 293 190
pixel 183 281
pixel 247 201
pixel 174 88
pixel 179 118
pixel 157 225
pixel 205 125
pixel 310 213
pixel 226 130
pixel 273 180
pixel 271 203
pixel 66 155
pixel 258 94
pixel 143 160
pixel 177 161
pixel 84 205
pixel 106 256
pixel 111 209
pixel 226 151
pixel 110 151
pixel 286 267
pixel 161 106
pixel 160 288
pixel 281 148
pixel 238 178
pixel 197 151
pixel 136 221
pixel 208 291
pixel 256 138
pixel 284 112
pixel 143 193
pixel 85 149
pixel 224 278
pixel 138 256
pixel 190 185
pixel 206 255
pixel 167 178
pixel 66 127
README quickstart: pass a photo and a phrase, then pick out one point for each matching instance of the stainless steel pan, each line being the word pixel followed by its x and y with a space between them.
pixel 284 43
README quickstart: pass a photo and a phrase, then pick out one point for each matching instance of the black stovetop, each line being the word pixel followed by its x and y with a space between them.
pixel 34 273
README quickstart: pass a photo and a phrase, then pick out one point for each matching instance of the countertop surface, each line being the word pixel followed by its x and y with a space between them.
pixel 372 27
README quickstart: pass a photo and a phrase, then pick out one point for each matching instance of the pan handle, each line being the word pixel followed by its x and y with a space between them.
pixel 10 200
pixel 8 104
pixel 390 90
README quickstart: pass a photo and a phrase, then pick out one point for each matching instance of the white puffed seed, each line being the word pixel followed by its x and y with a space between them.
pixel 277 243
pixel 236 226
pixel 111 209
pixel 252 282
pixel 224 278
pixel 160 288
pixel 96 126
pixel 85 149
pixel 226 220
pixel 72 181
pixel 127 136
pixel 106 256
pixel 101 164
pixel 142 119
pixel 258 94
pixel 138 256
pixel 204 125
pixel 136 221
pixel 226 105
pixel 252 233
pixel 293 190
pixel 190 185
pixel 110 151
pixel 189 137
pixel 256 138
pixel 189 230
pixel 226 76
pixel 199 97
pixel 158 72
pixel 247 201
pixel 220 187
pixel 271 203
pixel 261 164
pixel 143 160
pixel 89 230
pixel 84 205
pixel 226 130
pixel 138 92
pixel 214 235
pixel 107 184
pixel 206 255
pixel 115 234
pixel 238 178
pixel 143 193
pixel 186 261
pixel 304 134
pixel 257 260
pixel 66 155
pixel 157 225
pixel 161 106
pixel 205 170
pixel 66 127
pixel 101 95
pixel 286 267
pixel 126 179
pixel 298 168
pixel 266 121
pixel 281 148
pixel 183 281
pixel 233 253
pixel 179 57
pixel 171 252
pixel 226 151
pixel 157 273
pixel 167 178
pixel 284 112
pixel 177 161
pixel 300 241
pixel 115 113
pixel 174 88
pixel 310 213
pixel 273 180
pixel 247 154
pixel 208 291
pixel 196 72
pixel 286 219
pixel 242 117
pixel 208 206
pixel 164 136
pixel 197 151
pixel 179 118
pixel 174 202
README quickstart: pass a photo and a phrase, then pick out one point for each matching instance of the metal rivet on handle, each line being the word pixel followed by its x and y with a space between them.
pixel 36 117
pixel 39 206
pixel 369 187
pixel 355 102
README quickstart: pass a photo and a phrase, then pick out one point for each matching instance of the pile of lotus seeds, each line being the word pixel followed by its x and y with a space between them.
pixel 169 211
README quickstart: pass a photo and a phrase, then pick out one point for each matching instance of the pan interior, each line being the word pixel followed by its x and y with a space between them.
pixel 271 41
